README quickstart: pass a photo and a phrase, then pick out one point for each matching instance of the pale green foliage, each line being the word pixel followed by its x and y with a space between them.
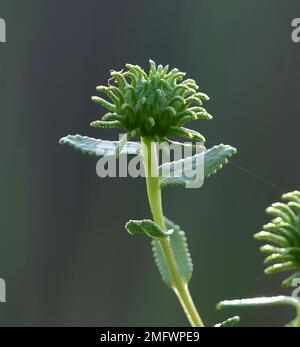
pixel 154 106
pixel 146 227
pixel 182 255
pixel 265 301
pixel 228 322
pixel 99 148
pixel 214 159
pixel 284 232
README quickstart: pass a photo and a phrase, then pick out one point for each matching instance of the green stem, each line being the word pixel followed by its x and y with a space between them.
pixel 154 195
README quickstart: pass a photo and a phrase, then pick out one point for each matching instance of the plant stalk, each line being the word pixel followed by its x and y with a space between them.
pixel 154 195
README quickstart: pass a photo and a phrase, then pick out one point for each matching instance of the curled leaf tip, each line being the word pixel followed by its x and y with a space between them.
pixel 228 322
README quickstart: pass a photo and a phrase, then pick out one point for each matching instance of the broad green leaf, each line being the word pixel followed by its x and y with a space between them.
pixel 148 227
pixel 216 157
pixel 228 322
pixel 202 165
pixel 99 148
pixel 181 254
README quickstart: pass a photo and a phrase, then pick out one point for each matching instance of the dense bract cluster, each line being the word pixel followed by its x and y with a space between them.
pixel 157 104
pixel 284 232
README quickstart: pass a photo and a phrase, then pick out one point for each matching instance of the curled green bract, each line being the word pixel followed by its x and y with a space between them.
pixel 156 105
pixel 284 232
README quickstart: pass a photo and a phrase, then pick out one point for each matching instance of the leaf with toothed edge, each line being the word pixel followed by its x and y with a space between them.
pixel 214 159
pixel 99 148
pixel 181 253
pixel 146 227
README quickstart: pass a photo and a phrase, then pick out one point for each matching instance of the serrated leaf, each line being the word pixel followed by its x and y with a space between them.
pixel 201 165
pixel 181 254
pixel 99 148
pixel 148 227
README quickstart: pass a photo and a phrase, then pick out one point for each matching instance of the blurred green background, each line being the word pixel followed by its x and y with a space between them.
pixel 64 253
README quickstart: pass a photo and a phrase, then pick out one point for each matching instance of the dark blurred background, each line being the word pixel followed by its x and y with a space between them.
pixel 64 253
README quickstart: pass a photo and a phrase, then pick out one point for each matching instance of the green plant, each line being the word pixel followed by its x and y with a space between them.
pixel 284 232
pixel 154 107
